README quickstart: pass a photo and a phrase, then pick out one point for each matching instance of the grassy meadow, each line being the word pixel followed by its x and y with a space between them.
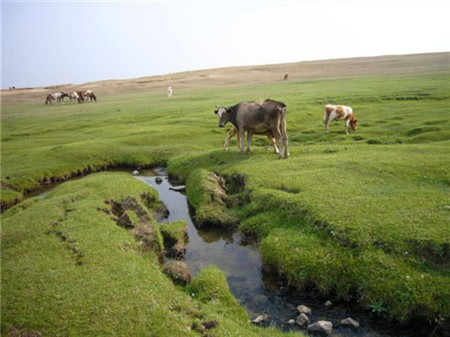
pixel 362 217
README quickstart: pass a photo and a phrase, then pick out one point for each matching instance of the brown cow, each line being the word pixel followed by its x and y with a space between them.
pixel 257 118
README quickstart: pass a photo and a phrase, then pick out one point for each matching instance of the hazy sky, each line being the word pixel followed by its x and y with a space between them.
pixel 46 43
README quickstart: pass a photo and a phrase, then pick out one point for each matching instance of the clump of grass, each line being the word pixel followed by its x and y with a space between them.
pixel 174 232
pixel 420 130
pixel 259 225
pixel 175 237
pixel 211 284
pixel 206 192
pixel 374 141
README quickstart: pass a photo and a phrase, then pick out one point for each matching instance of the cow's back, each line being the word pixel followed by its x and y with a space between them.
pixel 259 116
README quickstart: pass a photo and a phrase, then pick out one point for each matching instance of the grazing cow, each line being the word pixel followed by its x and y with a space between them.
pixel 234 131
pixel 285 77
pixel 340 112
pixel 89 94
pixel 169 91
pixel 257 117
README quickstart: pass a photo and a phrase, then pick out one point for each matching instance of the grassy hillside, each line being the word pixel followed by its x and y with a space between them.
pixel 363 216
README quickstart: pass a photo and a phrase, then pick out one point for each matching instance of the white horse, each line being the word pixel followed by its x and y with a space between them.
pixel 169 91
pixel 58 97
pixel 74 96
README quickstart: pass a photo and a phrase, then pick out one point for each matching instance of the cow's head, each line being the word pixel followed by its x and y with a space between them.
pixel 354 124
pixel 224 115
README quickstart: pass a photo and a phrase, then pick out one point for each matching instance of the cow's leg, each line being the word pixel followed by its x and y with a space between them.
pixel 249 140
pixel 327 124
pixel 347 122
pixel 273 142
pixel 238 136
pixel 230 135
pixel 284 136
pixel 327 117
pixel 277 135
pixel 241 139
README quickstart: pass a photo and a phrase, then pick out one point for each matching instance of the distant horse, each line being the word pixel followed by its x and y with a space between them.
pixel 56 96
pixel 49 99
pixel 59 96
pixel 89 94
pixel 80 96
pixel 74 96
pixel 169 91
pixel 285 77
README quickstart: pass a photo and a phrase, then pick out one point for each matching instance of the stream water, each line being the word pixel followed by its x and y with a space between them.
pixel 257 290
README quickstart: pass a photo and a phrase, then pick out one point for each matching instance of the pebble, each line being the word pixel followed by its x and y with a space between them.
pixel 302 320
pixel 303 309
pixel 260 318
pixel 350 322
pixel 322 327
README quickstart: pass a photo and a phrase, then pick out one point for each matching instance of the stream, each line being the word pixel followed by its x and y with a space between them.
pixel 259 291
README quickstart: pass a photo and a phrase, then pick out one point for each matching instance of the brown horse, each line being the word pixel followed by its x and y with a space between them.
pixel 49 99
pixel 80 96
pixel 89 94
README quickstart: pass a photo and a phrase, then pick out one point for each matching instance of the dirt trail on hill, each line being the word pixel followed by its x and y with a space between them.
pixel 263 74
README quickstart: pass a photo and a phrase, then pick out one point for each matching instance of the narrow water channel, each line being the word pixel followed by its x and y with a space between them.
pixel 258 291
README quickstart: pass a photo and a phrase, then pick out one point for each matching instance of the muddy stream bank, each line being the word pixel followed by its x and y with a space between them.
pixel 261 291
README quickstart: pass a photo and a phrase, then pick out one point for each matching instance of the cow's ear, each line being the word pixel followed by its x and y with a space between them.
pixel 216 111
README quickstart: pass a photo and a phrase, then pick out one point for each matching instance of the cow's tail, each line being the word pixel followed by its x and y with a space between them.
pixel 283 121
pixel 283 131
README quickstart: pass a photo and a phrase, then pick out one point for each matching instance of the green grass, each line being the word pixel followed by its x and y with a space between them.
pixel 361 216
pixel 174 231
pixel 205 193
pixel 69 269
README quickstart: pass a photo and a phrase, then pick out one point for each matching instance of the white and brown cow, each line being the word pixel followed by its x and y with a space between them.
pixel 340 112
